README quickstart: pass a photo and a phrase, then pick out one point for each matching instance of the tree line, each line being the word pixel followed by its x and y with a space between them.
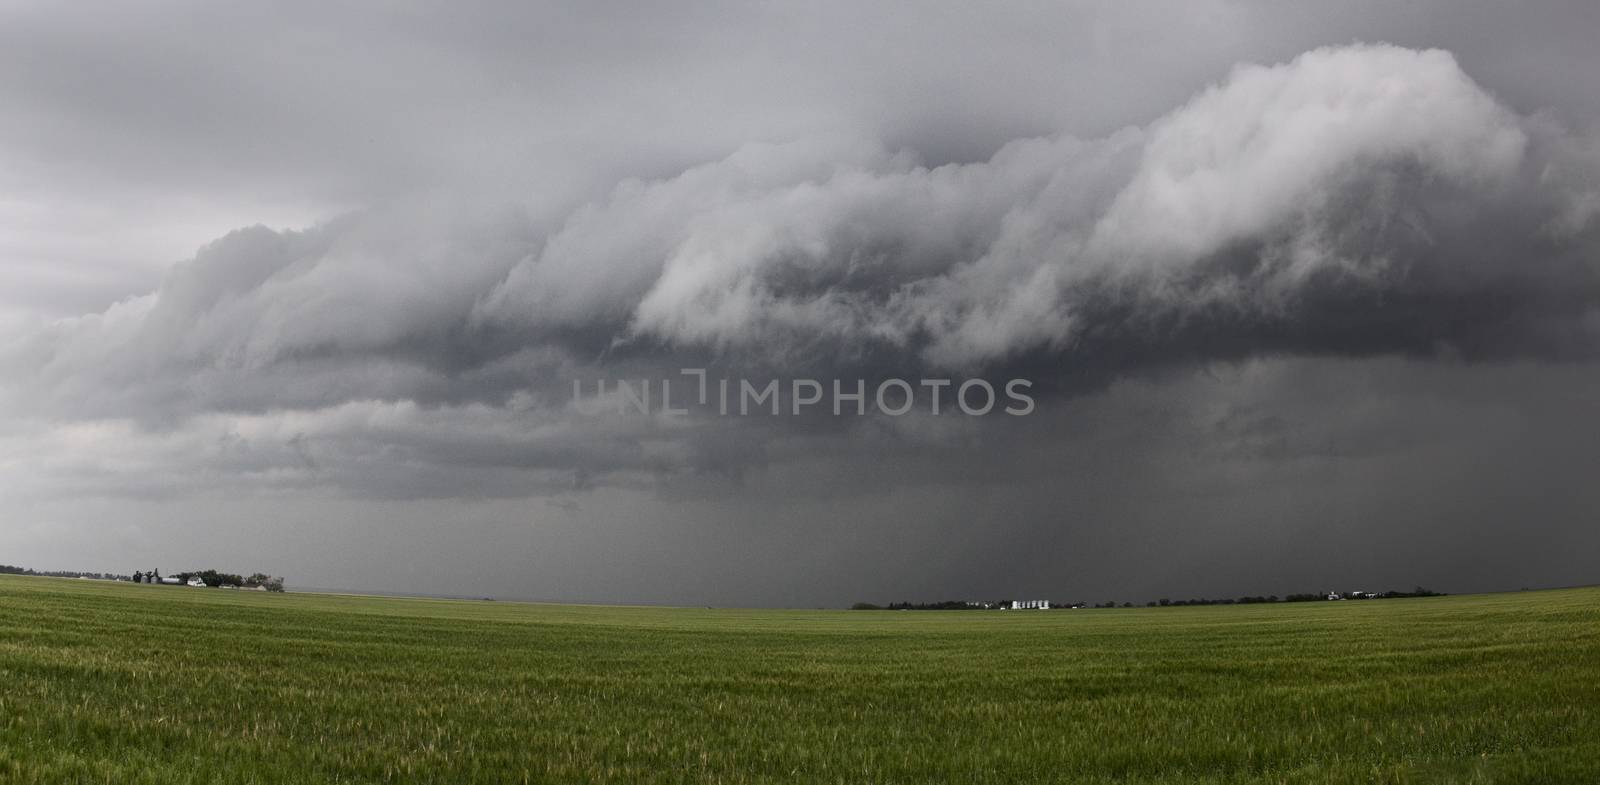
pixel 947 605
pixel 965 605
pixel 11 569
pixel 212 578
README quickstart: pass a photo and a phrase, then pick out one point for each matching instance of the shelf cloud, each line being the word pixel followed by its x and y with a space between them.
pixel 1362 203
pixel 1355 200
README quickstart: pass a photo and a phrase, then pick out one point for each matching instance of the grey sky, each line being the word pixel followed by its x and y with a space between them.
pixel 305 290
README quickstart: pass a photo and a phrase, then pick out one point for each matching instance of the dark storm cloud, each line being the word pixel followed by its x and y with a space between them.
pixel 133 135
pixel 1358 200
pixel 544 196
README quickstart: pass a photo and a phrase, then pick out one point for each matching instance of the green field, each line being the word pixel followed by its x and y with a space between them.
pixel 123 683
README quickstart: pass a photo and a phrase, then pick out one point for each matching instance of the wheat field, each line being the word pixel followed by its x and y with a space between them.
pixel 120 683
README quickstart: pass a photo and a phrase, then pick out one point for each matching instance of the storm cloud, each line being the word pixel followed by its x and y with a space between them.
pixel 1357 200
pixel 1356 203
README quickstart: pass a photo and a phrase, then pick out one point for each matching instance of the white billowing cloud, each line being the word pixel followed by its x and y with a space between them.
pixel 606 256
pixel 1287 208
pixel 974 263
pixel 1266 147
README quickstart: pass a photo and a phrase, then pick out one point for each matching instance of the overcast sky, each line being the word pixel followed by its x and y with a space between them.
pixel 1309 295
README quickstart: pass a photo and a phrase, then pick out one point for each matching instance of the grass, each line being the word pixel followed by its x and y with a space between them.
pixel 122 683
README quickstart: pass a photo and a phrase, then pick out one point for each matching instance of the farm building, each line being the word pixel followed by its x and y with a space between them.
pixel 1018 605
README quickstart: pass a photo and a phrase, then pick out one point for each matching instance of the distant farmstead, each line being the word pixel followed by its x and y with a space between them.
pixel 213 579
pixel 1030 605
